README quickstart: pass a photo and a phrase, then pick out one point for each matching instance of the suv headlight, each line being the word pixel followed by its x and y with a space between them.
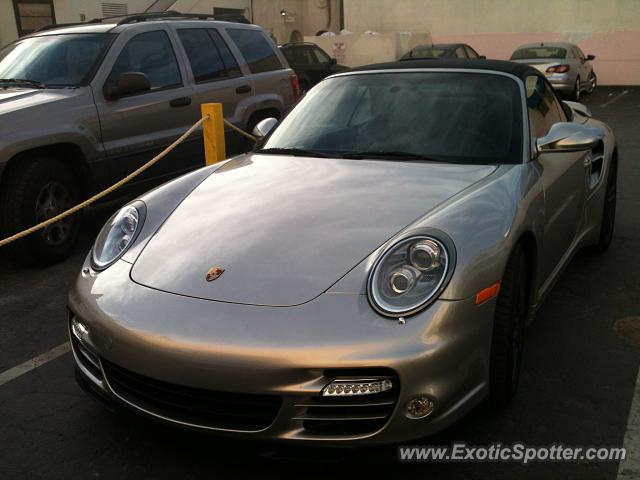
pixel 117 235
pixel 410 274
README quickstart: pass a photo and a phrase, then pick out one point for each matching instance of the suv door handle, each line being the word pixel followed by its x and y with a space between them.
pixel 180 102
pixel 243 89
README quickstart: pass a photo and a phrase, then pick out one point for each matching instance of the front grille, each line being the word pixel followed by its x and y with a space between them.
pixel 350 415
pixel 193 406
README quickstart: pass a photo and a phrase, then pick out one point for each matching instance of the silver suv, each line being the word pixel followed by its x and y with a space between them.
pixel 82 106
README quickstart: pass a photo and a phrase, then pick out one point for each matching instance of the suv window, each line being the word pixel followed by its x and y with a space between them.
pixel 205 59
pixel 55 60
pixel 256 50
pixel 544 108
pixel 229 60
pixel 460 53
pixel 150 53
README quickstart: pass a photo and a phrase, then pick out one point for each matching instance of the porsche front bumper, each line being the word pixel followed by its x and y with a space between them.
pixel 258 372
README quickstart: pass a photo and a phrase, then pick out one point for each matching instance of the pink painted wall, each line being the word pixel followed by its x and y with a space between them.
pixel 617 53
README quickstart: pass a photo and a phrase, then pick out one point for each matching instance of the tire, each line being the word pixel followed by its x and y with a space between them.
pixel 508 331
pixel 593 83
pixel 575 95
pixel 37 189
pixel 608 210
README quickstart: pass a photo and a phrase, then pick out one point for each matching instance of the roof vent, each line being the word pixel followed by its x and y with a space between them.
pixel 114 9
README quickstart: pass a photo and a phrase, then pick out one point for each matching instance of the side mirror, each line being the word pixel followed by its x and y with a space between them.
pixel 581 108
pixel 569 137
pixel 591 57
pixel 482 57
pixel 263 127
pixel 129 83
pixel 333 61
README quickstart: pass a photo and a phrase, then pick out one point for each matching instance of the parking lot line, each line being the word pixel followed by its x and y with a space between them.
pixel 630 467
pixel 614 99
pixel 33 363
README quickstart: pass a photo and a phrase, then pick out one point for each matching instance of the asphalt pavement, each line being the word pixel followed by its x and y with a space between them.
pixel 577 386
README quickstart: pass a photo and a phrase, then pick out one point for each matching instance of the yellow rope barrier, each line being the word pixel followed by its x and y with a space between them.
pixel 106 192
pixel 239 130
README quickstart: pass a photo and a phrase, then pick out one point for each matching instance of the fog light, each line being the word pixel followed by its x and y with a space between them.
pixel 80 331
pixel 356 387
pixel 419 407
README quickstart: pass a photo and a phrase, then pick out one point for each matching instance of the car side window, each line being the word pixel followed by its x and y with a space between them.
pixel 204 57
pixel 150 53
pixel 307 56
pixel 544 108
pixel 579 53
pixel 321 57
pixel 460 53
pixel 257 51
pixel 471 53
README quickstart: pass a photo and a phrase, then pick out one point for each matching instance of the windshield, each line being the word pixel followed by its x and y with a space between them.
pixel 539 52
pixel 449 117
pixel 425 52
pixel 54 60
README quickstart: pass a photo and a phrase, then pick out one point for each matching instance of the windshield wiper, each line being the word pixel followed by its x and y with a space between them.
pixel 390 155
pixel 296 152
pixel 23 81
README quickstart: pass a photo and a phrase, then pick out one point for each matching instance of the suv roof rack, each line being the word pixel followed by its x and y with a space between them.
pixel 168 15
pixel 63 25
pixel 143 17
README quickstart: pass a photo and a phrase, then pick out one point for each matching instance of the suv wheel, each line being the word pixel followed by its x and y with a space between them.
pixel 508 331
pixel 36 190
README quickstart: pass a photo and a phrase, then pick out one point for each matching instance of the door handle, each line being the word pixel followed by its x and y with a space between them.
pixel 243 89
pixel 180 102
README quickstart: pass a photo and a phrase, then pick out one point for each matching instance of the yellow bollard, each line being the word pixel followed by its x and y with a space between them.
pixel 213 133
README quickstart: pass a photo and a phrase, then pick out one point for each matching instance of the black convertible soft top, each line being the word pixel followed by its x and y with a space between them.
pixel 520 70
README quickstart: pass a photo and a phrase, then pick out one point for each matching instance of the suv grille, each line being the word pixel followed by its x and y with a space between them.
pixel 194 406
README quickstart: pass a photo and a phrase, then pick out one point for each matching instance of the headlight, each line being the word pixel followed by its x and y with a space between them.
pixel 117 235
pixel 410 274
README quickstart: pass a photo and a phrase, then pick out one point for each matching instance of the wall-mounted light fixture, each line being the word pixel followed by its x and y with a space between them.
pixel 283 13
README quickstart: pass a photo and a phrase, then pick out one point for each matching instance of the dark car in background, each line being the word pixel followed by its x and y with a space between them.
pixel 442 51
pixel 310 62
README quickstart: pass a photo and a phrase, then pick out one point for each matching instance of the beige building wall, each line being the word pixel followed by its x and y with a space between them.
pixel 302 17
pixel 8 31
pixel 608 29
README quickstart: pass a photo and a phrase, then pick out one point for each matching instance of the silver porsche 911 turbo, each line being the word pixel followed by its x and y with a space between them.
pixel 365 275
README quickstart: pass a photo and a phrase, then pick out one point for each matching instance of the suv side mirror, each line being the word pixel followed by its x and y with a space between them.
pixel 591 57
pixel 129 83
pixel 482 57
pixel 569 137
pixel 264 127
pixel 333 61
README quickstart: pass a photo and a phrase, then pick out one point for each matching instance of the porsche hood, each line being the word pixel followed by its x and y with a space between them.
pixel 280 230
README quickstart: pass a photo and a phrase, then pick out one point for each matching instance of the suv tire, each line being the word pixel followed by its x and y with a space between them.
pixel 33 191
